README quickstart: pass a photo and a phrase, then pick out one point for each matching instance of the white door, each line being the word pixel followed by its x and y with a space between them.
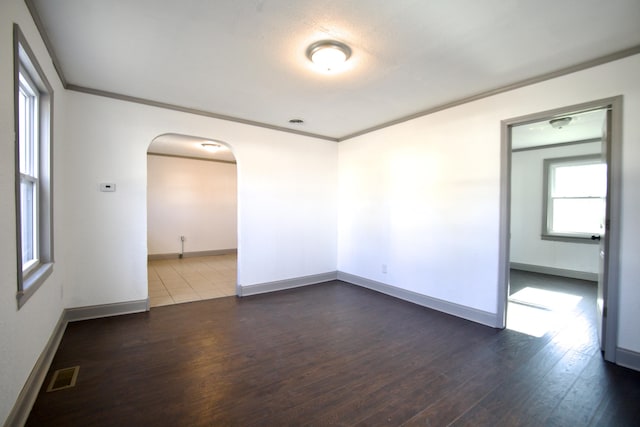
pixel 601 301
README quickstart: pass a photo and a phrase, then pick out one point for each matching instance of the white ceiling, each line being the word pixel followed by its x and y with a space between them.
pixel 245 59
pixel 187 146
pixel 583 126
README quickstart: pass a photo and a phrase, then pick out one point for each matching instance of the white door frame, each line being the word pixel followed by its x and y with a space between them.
pixel 614 180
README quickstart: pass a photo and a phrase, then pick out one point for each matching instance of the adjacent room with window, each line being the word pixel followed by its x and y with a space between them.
pixel 558 200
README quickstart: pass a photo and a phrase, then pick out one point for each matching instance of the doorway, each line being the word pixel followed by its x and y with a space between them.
pixel 547 257
pixel 191 220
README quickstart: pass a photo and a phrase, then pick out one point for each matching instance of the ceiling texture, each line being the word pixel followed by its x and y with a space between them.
pixel 244 60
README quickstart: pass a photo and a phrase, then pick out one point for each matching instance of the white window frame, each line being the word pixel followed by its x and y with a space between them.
pixel 28 149
pixel 547 206
pixel 34 142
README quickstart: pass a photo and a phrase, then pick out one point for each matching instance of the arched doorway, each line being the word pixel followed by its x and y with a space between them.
pixel 191 219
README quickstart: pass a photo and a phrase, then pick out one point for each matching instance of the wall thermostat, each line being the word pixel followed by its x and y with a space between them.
pixel 107 187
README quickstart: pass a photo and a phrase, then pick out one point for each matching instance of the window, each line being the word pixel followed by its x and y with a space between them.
pixel 33 119
pixel 28 150
pixel 575 197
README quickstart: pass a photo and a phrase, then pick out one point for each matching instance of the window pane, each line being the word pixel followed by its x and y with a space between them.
pixel 580 180
pixel 28 152
pixel 28 223
pixel 578 216
pixel 23 132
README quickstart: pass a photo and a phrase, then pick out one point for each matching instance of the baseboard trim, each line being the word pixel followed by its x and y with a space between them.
pixel 572 274
pixel 472 314
pixel 628 359
pixel 157 257
pixel 106 310
pixel 280 285
pixel 29 393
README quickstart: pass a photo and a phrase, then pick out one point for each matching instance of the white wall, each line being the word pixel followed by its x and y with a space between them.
pixel 196 199
pixel 287 211
pixel 24 333
pixel 526 214
pixel 423 196
pixel 287 207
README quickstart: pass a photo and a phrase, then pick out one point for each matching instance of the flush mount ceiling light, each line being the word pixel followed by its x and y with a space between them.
pixel 560 123
pixel 211 147
pixel 328 55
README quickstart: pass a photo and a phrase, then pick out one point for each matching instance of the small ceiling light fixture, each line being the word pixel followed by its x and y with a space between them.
pixel 328 55
pixel 211 147
pixel 560 123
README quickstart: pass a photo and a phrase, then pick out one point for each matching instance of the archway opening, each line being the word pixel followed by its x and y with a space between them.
pixel 191 219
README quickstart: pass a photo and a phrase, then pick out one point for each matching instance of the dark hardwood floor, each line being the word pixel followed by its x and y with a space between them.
pixel 329 354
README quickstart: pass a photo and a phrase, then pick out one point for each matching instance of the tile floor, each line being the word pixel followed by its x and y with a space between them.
pixel 175 281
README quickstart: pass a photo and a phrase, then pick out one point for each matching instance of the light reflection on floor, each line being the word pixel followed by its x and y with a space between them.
pixel 535 312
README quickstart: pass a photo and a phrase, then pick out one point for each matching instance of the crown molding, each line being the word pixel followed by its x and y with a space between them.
pixel 634 50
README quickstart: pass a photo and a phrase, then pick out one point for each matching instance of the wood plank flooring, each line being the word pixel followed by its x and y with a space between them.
pixel 329 354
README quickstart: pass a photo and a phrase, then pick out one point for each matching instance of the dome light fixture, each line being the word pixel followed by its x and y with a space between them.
pixel 328 55
pixel 560 123
pixel 211 147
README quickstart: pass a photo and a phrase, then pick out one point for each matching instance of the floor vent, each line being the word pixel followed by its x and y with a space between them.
pixel 63 378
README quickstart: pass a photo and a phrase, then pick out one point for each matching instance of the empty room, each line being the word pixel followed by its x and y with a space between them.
pixel 271 213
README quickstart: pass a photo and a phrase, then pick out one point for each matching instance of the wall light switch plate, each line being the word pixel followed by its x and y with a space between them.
pixel 107 187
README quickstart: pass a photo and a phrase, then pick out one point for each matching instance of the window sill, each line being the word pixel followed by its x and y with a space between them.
pixel 33 281
pixel 570 238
